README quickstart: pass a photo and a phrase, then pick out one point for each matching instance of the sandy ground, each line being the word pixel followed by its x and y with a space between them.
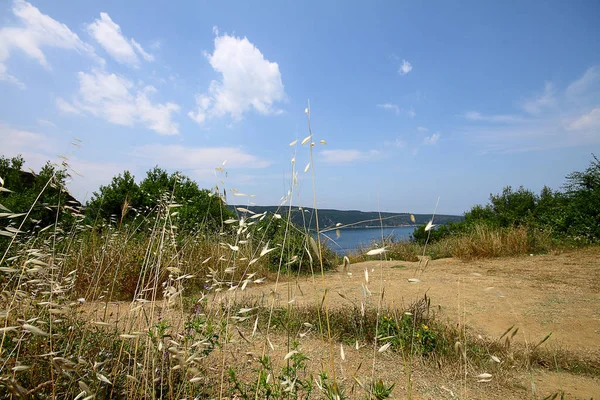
pixel 558 293
pixel 539 294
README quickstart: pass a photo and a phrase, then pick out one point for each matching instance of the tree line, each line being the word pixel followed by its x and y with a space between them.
pixel 570 213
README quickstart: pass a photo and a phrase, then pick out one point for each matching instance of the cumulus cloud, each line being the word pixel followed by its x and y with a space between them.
pixel 346 156
pixel 405 68
pixel 119 101
pixel 248 82
pixel 431 140
pixel 36 32
pixel 108 34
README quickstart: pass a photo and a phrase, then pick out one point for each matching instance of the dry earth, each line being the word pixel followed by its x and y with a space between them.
pixel 558 293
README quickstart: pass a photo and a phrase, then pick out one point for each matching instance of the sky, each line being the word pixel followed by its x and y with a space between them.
pixel 410 101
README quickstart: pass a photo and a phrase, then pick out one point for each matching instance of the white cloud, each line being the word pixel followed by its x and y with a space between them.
pixel 37 31
pixel 390 107
pixel 120 102
pixel 155 45
pixel 138 47
pixel 248 82
pixel 108 34
pixel 399 143
pixel 15 141
pixel 557 119
pixel 347 156
pixel 405 68
pixel 67 107
pixel 45 122
pixel 202 161
pixel 542 102
pixel 585 89
pixel 589 121
pixel 476 116
pixel 431 140
pixel 422 129
pixel 397 110
pixel 35 148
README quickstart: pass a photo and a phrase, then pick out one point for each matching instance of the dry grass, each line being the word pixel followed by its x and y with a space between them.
pixel 486 242
pixel 184 322
pixel 480 242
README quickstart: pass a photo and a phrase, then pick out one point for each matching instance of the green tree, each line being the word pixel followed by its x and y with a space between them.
pixel 114 199
pixel 582 189
pixel 22 188
pixel 513 207
pixel 197 208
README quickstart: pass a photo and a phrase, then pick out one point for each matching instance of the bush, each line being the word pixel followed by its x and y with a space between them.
pixel 420 236
pixel 297 250
pixel 43 195
pixel 193 209
pixel 573 215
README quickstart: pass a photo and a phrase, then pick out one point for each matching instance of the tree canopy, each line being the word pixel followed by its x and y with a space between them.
pixel 123 198
pixel 20 189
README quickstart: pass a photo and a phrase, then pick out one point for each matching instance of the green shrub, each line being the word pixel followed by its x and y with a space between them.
pixel 297 250
pixel 191 208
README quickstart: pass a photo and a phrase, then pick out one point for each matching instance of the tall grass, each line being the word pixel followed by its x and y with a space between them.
pixel 479 242
pixel 486 242
pixel 149 312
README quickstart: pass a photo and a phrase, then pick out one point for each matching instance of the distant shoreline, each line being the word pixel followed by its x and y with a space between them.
pixel 375 227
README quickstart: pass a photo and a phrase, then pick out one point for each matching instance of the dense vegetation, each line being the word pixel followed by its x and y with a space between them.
pixel 183 259
pixel 571 214
pixel 32 201
pixel 198 209
pixel 132 208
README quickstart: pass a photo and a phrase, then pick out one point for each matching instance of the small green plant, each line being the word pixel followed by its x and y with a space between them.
pixel 380 391
pixel 264 387
pixel 293 382
pixel 404 332
pixel 331 390
pixel 199 325
pixel 297 383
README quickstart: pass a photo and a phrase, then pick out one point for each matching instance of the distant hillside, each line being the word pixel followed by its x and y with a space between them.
pixel 357 219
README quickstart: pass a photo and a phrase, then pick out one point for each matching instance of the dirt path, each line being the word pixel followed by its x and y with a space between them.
pixel 539 294
pixel 557 293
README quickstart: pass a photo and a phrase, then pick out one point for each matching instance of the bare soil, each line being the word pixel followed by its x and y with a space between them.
pixel 558 293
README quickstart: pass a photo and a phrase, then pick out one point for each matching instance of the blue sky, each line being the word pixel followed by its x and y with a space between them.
pixel 415 100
